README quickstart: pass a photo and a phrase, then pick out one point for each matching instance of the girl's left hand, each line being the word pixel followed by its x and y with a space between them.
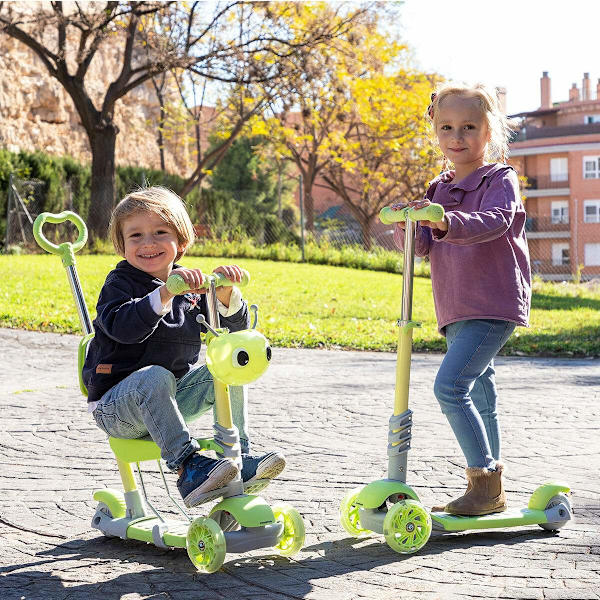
pixel 418 204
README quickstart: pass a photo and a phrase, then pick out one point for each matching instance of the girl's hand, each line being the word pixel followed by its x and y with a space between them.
pixel 233 273
pixel 418 204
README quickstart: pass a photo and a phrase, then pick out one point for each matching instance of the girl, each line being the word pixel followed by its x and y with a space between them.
pixel 480 276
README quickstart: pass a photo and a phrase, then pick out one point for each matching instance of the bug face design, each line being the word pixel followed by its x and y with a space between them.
pixel 238 358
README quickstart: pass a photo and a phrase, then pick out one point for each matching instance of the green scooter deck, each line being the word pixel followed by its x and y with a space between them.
pixel 174 536
pixel 509 518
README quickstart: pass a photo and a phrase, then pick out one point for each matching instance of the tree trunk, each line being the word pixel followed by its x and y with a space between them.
pixel 365 226
pixel 102 201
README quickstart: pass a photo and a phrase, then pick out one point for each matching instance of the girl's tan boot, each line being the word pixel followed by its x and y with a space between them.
pixel 484 495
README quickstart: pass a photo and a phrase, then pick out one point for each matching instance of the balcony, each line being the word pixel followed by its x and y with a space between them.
pixel 547 182
pixel 547 227
pixel 533 133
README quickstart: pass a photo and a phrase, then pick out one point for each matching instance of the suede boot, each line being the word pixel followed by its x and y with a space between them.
pixel 484 495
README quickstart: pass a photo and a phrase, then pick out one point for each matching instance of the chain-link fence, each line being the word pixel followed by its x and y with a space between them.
pixel 560 248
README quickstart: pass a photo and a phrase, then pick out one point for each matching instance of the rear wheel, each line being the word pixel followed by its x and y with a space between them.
pixel 566 512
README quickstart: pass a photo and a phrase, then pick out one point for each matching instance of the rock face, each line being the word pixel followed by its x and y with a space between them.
pixel 37 114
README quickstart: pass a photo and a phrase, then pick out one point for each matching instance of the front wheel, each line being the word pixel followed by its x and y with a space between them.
pixel 349 515
pixel 292 537
pixel 407 526
pixel 205 543
pixel 555 501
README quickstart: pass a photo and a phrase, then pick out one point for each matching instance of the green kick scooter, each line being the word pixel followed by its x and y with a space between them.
pixel 390 506
pixel 240 522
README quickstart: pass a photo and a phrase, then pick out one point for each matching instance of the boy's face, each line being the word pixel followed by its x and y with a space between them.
pixel 150 244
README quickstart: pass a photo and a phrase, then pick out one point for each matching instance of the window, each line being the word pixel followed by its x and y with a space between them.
pixel 589 119
pixel 591 211
pixel 560 211
pixel 559 169
pixel 592 255
pixel 560 254
pixel 591 167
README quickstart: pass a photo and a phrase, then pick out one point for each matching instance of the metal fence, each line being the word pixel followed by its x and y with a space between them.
pixel 560 249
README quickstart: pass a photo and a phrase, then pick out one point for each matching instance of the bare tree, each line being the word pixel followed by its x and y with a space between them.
pixel 67 38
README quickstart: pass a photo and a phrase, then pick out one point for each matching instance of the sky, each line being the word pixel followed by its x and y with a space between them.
pixel 507 44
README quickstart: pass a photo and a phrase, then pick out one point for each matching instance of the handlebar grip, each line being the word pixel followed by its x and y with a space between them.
pixel 177 285
pixel 433 212
pixel 66 249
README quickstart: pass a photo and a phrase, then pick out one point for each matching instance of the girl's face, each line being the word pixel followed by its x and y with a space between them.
pixel 150 244
pixel 462 132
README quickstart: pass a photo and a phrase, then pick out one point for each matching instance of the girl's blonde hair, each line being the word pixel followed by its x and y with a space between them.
pixel 158 200
pixel 500 127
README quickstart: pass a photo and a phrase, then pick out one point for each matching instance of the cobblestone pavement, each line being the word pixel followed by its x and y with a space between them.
pixel 328 411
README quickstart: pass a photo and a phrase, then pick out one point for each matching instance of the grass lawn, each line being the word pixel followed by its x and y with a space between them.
pixel 307 305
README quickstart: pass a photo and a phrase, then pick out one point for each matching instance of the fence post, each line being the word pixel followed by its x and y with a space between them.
pixel 301 213
pixel 9 201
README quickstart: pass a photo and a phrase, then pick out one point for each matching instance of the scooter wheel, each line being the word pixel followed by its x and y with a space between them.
pixel 292 538
pixel 407 526
pixel 349 515
pixel 205 543
pixel 555 501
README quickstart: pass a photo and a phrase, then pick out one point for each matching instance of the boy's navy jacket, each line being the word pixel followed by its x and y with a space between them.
pixel 129 335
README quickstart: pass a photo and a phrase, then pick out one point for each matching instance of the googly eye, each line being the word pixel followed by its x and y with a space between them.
pixel 240 358
pixel 268 353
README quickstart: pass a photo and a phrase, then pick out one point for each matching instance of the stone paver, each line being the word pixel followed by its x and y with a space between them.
pixel 328 411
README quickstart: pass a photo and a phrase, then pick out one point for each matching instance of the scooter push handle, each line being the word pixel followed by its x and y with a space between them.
pixel 433 212
pixel 66 249
pixel 176 283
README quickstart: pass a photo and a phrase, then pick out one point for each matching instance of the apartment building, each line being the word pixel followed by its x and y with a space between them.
pixel 557 148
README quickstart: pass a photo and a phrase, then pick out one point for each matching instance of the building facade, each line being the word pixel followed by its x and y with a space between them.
pixel 557 148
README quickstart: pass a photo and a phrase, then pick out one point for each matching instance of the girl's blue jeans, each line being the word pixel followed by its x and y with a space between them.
pixel 152 401
pixel 465 387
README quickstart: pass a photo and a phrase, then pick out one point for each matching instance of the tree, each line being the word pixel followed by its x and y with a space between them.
pixel 150 38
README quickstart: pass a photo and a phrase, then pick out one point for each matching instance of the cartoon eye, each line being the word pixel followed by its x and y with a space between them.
pixel 268 353
pixel 240 357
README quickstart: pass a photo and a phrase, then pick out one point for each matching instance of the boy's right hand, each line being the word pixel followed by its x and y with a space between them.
pixel 194 279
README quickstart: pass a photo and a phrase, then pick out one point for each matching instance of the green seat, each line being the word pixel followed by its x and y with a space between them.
pixel 142 449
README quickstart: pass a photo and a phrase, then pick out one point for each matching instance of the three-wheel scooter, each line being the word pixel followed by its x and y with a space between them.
pixel 241 521
pixel 389 505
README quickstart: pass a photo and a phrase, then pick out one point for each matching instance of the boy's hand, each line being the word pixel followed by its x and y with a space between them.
pixel 193 277
pixel 233 273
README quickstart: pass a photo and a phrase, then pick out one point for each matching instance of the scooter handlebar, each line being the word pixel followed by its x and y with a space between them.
pixel 65 250
pixel 433 212
pixel 176 284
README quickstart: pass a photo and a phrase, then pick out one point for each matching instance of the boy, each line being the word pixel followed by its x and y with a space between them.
pixel 139 369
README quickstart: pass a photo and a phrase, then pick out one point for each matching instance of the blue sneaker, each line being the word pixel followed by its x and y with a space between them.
pixel 257 471
pixel 204 479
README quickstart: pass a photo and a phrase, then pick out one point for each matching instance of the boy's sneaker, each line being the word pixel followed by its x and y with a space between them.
pixel 204 479
pixel 257 471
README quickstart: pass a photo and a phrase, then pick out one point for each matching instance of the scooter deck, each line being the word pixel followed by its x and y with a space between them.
pixel 509 518
pixel 174 534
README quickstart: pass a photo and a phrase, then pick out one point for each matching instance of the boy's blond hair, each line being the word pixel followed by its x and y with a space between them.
pixel 161 201
pixel 500 127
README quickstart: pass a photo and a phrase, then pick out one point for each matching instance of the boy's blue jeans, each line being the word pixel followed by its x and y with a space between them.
pixel 152 401
pixel 465 387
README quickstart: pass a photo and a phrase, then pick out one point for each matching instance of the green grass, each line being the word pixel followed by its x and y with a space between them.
pixel 308 305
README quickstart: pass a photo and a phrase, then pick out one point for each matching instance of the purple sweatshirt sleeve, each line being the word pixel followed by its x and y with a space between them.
pixel 498 206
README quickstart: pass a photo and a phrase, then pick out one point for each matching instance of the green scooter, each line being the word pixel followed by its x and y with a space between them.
pixel 391 507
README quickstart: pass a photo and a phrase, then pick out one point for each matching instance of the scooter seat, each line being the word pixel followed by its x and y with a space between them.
pixel 142 449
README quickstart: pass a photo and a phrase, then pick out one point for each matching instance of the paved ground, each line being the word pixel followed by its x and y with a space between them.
pixel 329 411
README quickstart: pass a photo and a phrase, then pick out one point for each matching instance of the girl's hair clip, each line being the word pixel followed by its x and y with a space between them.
pixel 430 107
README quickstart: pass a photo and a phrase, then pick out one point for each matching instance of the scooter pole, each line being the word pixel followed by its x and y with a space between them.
pixel 400 425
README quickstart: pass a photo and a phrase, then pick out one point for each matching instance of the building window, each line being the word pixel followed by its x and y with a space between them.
pixel 559 169
pixel 560 211
pixel 591 167
pixel 589 119
pixel 591 211
pixel 592 255
pixel 560 254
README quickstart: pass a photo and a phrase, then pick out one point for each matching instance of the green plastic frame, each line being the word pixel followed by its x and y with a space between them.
pixel 248 511
pixel 66 250
pixel 374 494
pixel 142 449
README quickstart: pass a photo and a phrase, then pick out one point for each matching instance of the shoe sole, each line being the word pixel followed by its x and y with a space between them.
pixel 268 469
pixel 214 487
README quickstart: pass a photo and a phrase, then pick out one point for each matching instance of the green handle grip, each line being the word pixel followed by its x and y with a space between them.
pixel 433 212
pixel 176 283
pixel 66 250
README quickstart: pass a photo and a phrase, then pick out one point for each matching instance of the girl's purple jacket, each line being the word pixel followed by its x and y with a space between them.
pixel 480 266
